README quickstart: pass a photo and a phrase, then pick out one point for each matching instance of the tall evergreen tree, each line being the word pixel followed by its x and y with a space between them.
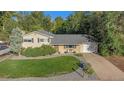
pixel 16 40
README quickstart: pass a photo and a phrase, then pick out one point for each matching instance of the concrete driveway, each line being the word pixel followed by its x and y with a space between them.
pixel 104 69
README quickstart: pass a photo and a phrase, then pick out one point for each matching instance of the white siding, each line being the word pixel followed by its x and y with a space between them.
pixel 35 42
pixel 89 47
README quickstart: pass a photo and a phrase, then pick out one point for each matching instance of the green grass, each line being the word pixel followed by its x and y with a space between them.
pixel 38 67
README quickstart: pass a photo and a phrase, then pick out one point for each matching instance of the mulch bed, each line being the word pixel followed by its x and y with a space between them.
pixel 118 61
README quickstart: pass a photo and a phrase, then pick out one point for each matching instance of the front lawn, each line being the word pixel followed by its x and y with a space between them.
pixel 38 67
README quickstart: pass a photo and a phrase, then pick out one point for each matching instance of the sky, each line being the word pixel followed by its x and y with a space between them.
pixel 54 14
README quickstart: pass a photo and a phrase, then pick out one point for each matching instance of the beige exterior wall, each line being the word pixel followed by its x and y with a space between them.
pixel 35 42
pixel 62 50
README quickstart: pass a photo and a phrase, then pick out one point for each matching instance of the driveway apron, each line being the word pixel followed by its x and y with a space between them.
pixel 104 69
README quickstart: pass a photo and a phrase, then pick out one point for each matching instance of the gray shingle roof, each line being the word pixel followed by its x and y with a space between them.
pixel 43 32
pixel 68 39
pixel 46 32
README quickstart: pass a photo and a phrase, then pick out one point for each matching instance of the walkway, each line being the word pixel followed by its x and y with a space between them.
pixel 104 69
pixel 74 76
pixel 40 57
pixel 4 57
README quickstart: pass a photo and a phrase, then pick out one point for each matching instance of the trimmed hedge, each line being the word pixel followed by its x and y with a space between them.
pixel 39 51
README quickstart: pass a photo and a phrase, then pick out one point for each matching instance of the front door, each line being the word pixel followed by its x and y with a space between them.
pixel 70 50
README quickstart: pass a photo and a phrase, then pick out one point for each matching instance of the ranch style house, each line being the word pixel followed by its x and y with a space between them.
pixel 64 43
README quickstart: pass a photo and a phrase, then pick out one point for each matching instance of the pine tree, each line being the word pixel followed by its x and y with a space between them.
pixel 16 40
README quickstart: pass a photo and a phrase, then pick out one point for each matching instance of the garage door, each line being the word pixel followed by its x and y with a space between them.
pixel 86 48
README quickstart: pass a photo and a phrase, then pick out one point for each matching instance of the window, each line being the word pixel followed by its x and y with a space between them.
pixel 28 40
pixel 70 46
pixel 38 40
pixel 41 40
pixel 48 40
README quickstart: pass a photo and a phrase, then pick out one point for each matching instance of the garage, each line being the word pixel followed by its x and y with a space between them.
pixel 86 48
pixel 90 47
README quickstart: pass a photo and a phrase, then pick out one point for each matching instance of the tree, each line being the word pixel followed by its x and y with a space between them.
pixel 6 24
pixel 1 23
pixel 96 25
pixel 57 24
pixel 16 40
pixel 73 22
pixel 47 23
pixel 111 44
pixel 31 22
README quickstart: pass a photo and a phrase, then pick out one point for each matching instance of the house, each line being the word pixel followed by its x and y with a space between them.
pixel 64 43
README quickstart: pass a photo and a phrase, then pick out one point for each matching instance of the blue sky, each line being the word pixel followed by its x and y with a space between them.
pixel 54 14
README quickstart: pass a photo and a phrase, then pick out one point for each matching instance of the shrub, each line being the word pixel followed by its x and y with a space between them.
pixel 39 51
pixel 88 69
pixel 122 50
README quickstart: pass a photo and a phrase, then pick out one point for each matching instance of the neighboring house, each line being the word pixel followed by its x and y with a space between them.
pixel 64 43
